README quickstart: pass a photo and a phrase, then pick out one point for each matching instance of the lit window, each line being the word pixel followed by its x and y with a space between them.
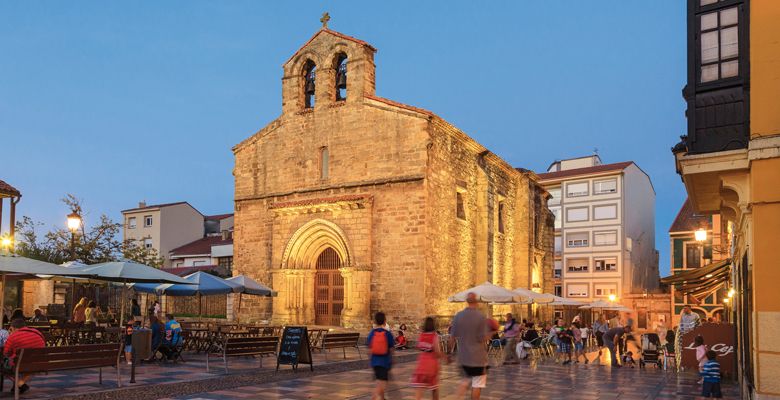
pixel 577 265
pixel 576 214
pixel 605 212
pixel 579 239
pixel 606 186
pixel 324 163
pixel 606 238
pixel 147 220
pixel 148 243
pixel 577 189
pixel 719 41
pixel 605 289
pixel 605 264
pixel 131 224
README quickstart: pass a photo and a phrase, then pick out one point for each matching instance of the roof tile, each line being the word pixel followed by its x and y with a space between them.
pixel 584 171
pixel 688 220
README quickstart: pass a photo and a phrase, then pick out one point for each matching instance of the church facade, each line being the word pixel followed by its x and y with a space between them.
pixel 349 203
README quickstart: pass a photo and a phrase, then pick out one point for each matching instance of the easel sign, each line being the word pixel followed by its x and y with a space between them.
pixel 294 348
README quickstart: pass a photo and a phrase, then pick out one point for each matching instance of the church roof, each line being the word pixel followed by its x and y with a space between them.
pixel 334 33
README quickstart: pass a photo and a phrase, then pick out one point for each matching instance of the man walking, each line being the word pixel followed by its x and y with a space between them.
pixel 470 328
pixel 613 335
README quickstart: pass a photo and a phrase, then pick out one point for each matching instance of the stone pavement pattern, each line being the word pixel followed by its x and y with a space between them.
pixel 524 381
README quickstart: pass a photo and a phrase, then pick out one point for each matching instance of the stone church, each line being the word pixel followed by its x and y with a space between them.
pixel 349 203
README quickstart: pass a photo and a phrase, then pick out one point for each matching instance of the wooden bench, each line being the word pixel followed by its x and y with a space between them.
pixel 243 346
pixel 339 340
pixel 62 358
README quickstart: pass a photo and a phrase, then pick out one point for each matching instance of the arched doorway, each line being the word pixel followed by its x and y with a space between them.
pixel 328 289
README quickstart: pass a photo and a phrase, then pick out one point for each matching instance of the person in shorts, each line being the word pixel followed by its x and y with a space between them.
pixel 381 359
pixel 471 329
pixel 710 373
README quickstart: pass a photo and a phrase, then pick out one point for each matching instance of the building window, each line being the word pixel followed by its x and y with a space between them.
pixel 131 224
pixel 556 212
pixel 605 238
pixel 577 214
pixel 577 265
pixel 558 291
pixel 309 85
pixel 148 243
pixel 719 40
pixel 558 244
pixel 577 290
pixel 460 208
pixel 605 264
pixel 500 216
pixel 558 269
pixel 341 77
pixel 198 263
pixel 225 262
pixel 147 220
pixel 605 289
pixel 324 163
pixel 578 189
pixel 578 239
pixel 555 196
pixel 605 212
pixel 605 186
pixel 692 256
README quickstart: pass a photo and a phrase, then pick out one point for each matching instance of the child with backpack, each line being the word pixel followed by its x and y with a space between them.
pixel 426 375
pixel 381 343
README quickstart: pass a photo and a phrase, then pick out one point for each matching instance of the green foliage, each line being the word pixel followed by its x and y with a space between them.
pixel 89 245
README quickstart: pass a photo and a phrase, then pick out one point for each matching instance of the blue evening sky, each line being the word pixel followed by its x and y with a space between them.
pixel 118 102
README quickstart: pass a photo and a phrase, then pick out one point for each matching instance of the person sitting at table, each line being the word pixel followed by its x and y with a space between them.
pixel 172 337
pixel 39 316
pixel 78 311
pixel 22 337
pixel 527 340
pixel 158 334
pixel 91 313
pixel 18 314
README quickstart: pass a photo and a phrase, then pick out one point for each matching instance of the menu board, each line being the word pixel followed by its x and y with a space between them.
pixel 294 348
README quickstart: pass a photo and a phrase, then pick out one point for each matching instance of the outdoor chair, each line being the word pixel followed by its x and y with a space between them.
pixel 496 353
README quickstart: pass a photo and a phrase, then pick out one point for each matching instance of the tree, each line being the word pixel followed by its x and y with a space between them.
pixel 94 244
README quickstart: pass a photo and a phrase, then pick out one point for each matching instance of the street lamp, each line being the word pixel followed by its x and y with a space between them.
pixel 5 244
pixel 612 298
pixel 74 223
pixel 700 235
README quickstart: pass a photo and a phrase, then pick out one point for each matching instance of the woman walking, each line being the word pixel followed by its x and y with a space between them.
pixel 426 375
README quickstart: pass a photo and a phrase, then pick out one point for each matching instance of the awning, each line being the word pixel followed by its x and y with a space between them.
pixel 701 282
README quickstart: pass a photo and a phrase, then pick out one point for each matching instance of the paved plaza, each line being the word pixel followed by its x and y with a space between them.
pixel 545 380
pixel 353 379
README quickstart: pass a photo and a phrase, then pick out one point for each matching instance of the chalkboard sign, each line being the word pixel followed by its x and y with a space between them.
pixel 294 348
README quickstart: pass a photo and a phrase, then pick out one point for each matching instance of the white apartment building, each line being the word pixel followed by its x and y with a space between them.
pixel 604 228
pixel 163 227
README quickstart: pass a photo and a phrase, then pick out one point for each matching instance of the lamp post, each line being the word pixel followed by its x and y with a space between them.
pixel 74 223
pixel 612 298
pixel 700 235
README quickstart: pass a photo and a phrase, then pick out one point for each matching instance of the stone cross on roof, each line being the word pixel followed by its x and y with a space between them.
pixel 325 18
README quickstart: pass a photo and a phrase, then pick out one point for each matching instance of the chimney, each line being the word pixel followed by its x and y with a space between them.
pixel 225 234
pixel 142 204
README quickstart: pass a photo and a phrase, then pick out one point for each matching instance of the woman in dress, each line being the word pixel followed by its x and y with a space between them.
pixel 426 375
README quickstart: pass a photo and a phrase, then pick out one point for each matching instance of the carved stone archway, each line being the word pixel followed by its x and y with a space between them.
pixel 295 277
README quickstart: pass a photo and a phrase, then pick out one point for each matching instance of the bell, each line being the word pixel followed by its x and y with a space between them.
pixel 310 86
pixel 341 80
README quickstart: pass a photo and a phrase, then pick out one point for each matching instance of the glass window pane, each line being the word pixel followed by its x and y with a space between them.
pixel 729 43
pixel 576 214
pixel 729 69
pixel 728 17
pixel 709 73
pixel 709 47
pixel 707 2
pixel 709 21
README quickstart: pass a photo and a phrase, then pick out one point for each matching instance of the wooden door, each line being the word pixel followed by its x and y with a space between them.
pixel 328 289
